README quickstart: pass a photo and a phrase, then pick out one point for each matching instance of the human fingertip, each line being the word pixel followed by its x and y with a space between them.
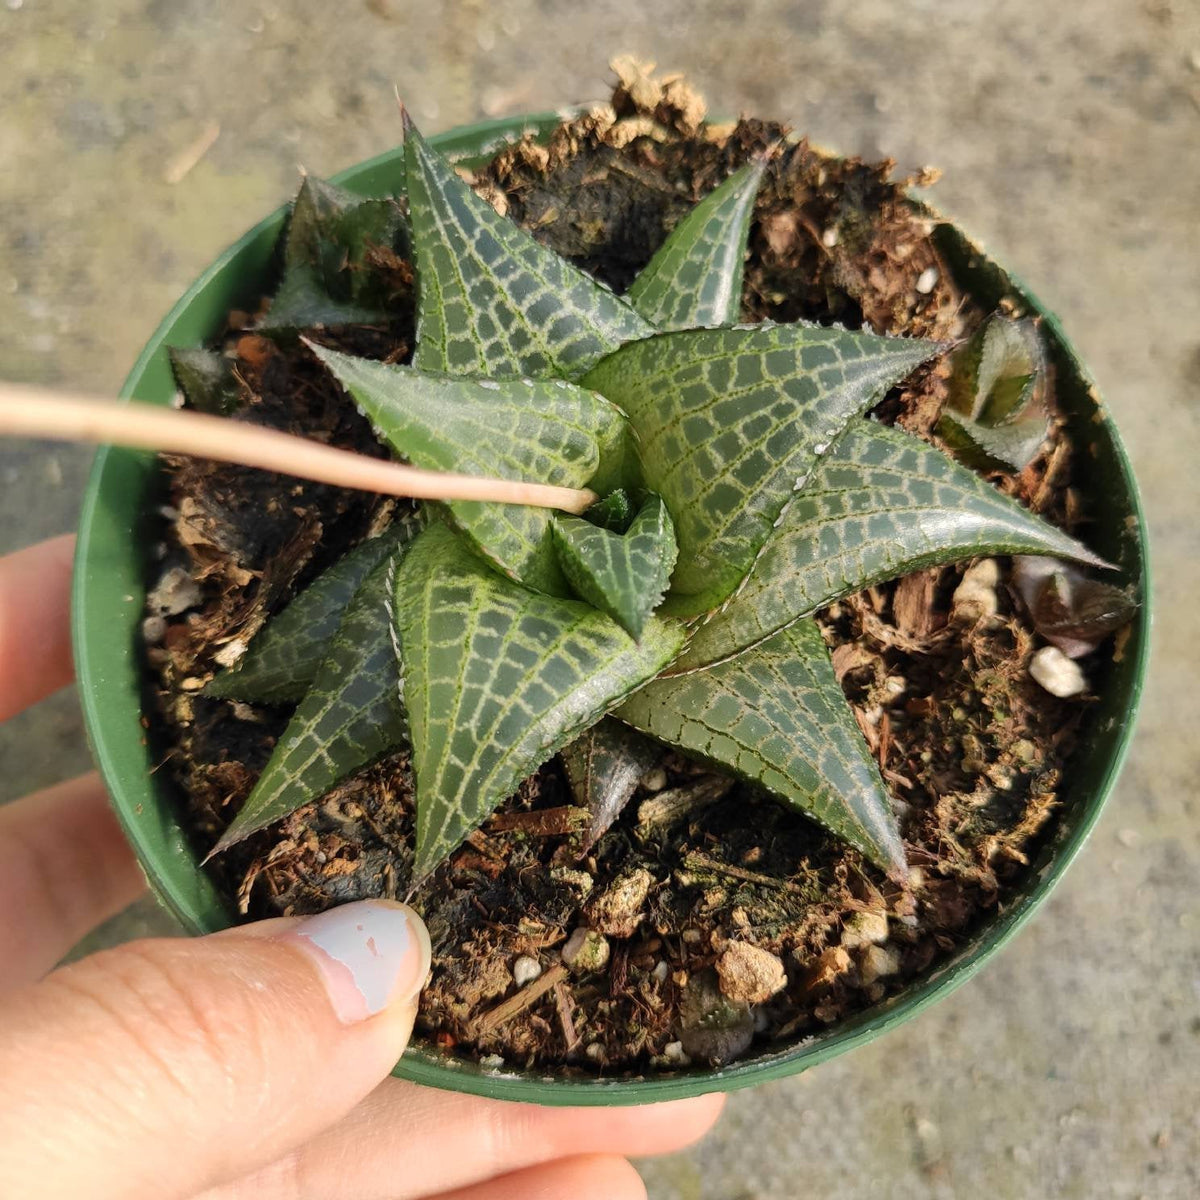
pixel 372 955
pixel 693 1118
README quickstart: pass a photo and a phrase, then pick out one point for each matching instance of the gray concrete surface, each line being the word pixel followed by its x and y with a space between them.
pixel 1070 135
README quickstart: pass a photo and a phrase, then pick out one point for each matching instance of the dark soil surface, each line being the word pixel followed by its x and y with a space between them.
pixel 701 896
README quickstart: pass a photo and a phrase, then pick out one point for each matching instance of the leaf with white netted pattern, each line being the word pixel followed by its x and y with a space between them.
pixel 491 300
pixel 695 279
pixel 546 431
pixel 497 679
pixel 730 422
pixel 777 716
pixel 880 504
pixel 350 716
pixel 622 574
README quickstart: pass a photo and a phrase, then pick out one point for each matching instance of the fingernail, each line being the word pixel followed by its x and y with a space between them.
pixel 372 954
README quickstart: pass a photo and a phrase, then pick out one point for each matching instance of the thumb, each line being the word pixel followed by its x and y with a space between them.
pixel 167 1066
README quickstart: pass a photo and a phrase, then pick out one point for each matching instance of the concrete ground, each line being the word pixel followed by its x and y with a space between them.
pixel 1070 136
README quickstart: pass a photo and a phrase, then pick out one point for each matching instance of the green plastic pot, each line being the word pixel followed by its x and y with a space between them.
pixel 117 526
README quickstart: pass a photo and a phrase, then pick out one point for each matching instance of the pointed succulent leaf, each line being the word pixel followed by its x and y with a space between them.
pixel 547 431
pixel 301 302
pixel 994 415
pixel 776 716
pixel 497 679
pixel 729 424
pixel 880 504
pixel 206 379
pixel 603 768
pixel 328 247
pixel 1012 446
pixel 994 376
pixel 695 279
pixel 614 511
pixel 622 574
pixel 491 300
pixel 350 716
pixel 284 657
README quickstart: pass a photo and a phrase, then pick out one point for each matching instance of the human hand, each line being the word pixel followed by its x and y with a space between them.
pixel 246 1063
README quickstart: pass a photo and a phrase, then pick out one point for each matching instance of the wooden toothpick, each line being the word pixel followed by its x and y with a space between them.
pixel 34 412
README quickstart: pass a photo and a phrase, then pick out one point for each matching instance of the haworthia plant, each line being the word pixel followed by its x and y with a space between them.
pixel 743 487
pixel 331 238
pixel 994 415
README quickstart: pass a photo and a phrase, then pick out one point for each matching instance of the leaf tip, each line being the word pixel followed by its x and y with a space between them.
pixel 223 843
pixel 406 121
pixel 323 354
pixel 217 687
pixel 886 851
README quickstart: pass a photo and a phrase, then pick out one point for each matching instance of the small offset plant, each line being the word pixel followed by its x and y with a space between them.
pixel 741 487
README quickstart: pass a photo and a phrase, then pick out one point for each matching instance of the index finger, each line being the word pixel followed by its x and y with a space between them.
pixel 35 641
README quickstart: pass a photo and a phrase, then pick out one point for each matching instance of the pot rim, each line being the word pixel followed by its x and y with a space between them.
pixel 108 581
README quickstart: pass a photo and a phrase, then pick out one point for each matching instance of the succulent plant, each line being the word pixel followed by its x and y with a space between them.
pixel 994 416
pixel 743 487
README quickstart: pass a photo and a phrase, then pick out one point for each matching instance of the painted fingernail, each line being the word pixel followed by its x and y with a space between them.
pixel 372 954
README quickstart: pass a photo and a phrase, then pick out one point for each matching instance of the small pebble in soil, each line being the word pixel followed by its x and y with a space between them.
pixel 154 629
pixel 1059 675
pixel 878 962
pixel 525 970
pixel 975 599
pixel 927 280
pixel 865 929
pixel 749 973
pixel 830 965
pixel 673 1053
pixel 617 911
pixel 654 780
pixel 586 951
pixel 661 970
pixel 230 653
pixel 175 592
pixel 579 881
